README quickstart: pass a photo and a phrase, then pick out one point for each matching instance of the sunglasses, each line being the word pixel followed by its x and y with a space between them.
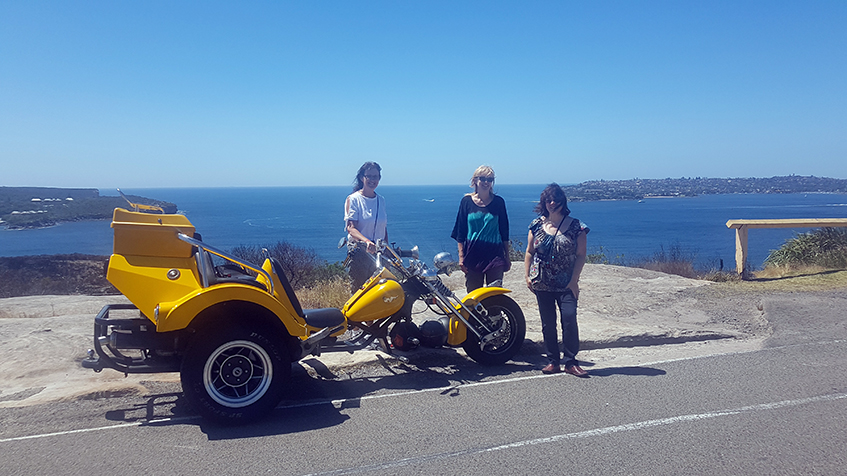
pixel 373 177
pixel 486 179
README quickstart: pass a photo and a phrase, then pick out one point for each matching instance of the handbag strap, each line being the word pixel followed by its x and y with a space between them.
pixel 376 217
pixel 553 236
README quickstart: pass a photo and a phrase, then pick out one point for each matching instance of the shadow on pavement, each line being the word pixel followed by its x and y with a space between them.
pixel 316 399
pixel 629 371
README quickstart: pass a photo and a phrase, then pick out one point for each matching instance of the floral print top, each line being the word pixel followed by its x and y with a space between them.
pixel 554 258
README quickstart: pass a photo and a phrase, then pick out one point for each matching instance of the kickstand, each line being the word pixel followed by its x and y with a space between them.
pixel 386 349
pixel 383 345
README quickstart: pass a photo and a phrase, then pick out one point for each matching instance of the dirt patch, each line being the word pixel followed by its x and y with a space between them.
pixel 44 338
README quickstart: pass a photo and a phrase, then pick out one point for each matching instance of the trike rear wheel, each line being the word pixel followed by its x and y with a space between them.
pixel 234 375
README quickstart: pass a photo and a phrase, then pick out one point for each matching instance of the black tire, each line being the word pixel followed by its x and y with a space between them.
pixel 498 351
pixel 234 375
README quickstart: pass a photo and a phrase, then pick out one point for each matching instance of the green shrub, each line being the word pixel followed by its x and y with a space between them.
pixel 302 266
pixel 825 247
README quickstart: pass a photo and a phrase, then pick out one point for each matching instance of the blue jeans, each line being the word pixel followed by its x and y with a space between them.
pixel 566 302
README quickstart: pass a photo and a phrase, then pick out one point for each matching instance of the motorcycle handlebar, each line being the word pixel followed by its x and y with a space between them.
pixel 412 253
pixel 393 249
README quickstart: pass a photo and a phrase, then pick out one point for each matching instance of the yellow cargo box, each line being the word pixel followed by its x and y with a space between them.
pixel 145 234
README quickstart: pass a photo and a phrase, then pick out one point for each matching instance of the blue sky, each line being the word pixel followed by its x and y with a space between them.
pixel 180 94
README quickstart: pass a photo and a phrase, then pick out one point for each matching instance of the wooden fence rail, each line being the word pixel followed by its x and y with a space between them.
pixel 741 227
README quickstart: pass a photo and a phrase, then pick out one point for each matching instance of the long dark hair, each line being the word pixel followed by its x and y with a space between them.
pixel 359 183
pixel 552 192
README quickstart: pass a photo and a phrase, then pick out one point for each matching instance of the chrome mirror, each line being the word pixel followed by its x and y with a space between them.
pixel 445 263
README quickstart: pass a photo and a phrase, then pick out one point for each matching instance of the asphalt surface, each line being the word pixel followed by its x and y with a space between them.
pixel 768 400
pixel 774 408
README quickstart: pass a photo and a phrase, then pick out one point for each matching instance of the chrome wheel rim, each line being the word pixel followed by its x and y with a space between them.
pixel 503 317
pixel 238 373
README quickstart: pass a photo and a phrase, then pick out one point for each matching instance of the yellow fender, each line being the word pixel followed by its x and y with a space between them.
pixel 178 314
pixel 479 294
pixel 458 332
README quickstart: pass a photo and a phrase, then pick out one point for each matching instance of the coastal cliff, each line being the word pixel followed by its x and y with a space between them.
pixel 636 189
pixel 38 207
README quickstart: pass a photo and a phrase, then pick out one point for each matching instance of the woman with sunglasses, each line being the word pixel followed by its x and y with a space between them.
pixel 482 232
pixel 365 220
pixel 555 256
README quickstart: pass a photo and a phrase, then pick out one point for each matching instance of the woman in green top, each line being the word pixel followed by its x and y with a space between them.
pixel 482 232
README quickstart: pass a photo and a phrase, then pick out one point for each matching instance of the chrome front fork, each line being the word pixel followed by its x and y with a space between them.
pixel 479 312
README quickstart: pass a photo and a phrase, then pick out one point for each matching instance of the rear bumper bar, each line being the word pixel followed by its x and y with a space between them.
pixel 113 335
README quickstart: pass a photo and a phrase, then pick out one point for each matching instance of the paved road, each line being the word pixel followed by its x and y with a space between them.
pixel 773 407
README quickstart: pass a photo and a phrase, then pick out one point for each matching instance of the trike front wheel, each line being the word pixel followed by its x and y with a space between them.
pixel 504 313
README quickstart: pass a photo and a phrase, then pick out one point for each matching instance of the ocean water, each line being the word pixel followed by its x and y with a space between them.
pixel 424 216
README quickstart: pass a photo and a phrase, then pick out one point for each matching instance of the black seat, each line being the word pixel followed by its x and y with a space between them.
pixel 319 318
pixel 324 317
pixel 230 273
pixel 289 291
pixel 224 273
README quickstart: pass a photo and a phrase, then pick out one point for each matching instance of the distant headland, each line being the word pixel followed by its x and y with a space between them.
pixel 637 189
pixel 39 207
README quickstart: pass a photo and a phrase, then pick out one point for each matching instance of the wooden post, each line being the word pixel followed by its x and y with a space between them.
pixel 741 250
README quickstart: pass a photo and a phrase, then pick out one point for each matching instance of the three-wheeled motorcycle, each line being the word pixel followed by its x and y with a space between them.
pixel 232 329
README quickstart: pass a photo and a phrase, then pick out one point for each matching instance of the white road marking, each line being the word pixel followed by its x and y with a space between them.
pixel 585 434
pixel 99 428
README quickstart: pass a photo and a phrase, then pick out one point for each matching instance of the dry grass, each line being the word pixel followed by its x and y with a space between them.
pixel 332 292
pixel 674 260
pixel 809 261
pixel 776 272
pixel 677 267
pixel 720 276
pixel 808 279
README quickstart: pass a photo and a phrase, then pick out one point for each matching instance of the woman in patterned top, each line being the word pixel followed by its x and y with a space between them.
pixel 555 256
pixel 482 232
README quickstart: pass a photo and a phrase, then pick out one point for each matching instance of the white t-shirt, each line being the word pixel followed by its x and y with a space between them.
pixel 368 213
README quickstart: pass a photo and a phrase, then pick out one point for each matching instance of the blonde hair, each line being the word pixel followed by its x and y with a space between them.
pixel 482 170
